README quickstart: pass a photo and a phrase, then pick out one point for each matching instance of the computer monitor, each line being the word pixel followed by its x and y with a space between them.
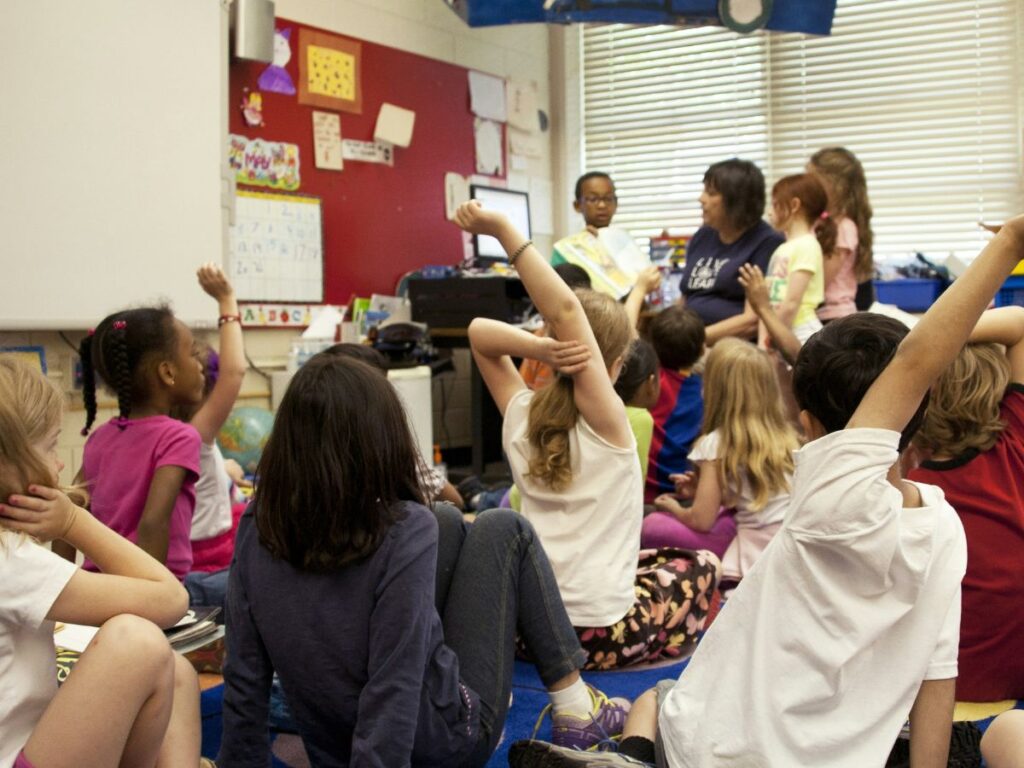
pixel 515 205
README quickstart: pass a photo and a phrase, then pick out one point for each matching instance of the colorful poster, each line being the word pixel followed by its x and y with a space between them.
pixel 275 78
pixel 260 163
pixel 276 315
pixel 330 72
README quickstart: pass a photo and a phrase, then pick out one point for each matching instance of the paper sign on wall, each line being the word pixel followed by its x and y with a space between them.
pixel 367 151
pixel 394 125
pixel 523 143
pixel 522 105
pixel 276 315
pixel 273 164
pixel 487 96
pixel 490 156
pixel 327 141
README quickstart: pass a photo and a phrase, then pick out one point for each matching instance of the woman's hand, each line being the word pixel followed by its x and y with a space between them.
pixel 477 220
pixel 214 282
pixel 753 282
pixel 46 514
pixel 567 357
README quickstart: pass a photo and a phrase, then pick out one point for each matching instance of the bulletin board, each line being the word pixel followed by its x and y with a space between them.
pixel 379 221
pixel 275 250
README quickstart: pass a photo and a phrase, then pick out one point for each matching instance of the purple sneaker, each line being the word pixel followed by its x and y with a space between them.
pixel 598 730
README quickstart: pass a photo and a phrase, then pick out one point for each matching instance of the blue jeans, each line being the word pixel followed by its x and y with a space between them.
pixel 493 579
pixel 208 589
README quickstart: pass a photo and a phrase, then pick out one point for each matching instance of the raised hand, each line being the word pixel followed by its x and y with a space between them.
pixel 649 279
pixel 474 218
pixel 214 282
pixel 45 513
pixel 753 282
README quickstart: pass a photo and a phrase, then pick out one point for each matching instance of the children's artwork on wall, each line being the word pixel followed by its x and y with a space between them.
pixel 487 96
pixel 275 78
pixel 327 141
pixel 490 156
pixel 35 356
pixel 330 72
pixel 260 163
pixel 252 108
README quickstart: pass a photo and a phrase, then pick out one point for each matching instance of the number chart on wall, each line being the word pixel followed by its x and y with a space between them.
pixel 276 247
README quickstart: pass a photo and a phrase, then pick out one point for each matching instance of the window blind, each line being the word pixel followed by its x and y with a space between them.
pixel 928 95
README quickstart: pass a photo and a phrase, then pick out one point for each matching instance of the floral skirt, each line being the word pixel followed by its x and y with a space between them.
pixel 673 596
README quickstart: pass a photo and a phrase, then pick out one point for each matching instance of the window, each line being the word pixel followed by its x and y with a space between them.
pixel 930 96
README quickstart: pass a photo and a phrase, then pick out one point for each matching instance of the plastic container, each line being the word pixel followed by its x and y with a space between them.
pixel 1012 292
pixel 909 294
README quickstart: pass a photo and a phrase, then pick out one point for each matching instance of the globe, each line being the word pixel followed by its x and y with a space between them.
pixel 244 434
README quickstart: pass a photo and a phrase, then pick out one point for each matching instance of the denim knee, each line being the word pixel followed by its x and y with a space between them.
pixel 447 514
pixel 503 524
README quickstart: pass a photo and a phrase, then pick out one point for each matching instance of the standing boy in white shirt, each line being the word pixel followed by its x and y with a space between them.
pixel 849 621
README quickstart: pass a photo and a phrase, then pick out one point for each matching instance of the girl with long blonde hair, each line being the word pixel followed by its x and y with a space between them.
pixel 743 457
pixel 573 457
pixel 131 700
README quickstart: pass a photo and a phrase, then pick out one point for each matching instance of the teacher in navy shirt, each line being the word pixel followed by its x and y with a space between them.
pixel 733 234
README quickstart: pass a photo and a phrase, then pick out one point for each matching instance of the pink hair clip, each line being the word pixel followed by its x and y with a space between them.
pixel 92 332
pixel 120 325
pixel 824 215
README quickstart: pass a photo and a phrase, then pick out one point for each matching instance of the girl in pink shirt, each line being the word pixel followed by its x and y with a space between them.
pixel 141 466
pixel 849 267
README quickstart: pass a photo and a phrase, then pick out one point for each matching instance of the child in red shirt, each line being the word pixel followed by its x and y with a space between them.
pixel 973 441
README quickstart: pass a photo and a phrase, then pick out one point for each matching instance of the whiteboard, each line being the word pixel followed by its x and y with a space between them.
pixel 276 248
pixel 113 115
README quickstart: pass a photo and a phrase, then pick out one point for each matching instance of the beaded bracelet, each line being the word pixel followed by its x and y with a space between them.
pixel 228 319
pixel 518 251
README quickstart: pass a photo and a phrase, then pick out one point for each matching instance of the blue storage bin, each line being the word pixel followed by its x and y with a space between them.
pixel 1012 292
pixel 909 294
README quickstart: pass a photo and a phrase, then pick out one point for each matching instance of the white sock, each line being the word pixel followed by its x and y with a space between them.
pixel 574 700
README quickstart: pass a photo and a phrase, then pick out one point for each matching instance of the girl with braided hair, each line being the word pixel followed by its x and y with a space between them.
pixel 141 466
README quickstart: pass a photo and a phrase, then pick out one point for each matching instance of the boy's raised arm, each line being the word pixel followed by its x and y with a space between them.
pixel 937 339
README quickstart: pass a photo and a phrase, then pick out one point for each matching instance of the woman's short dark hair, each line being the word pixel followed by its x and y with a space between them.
pixel 338 461
pixel 641 364
pixel 838 364
pixel 741 185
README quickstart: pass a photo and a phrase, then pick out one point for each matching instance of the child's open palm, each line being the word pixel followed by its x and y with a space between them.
pixel 46 513
pixel 213 281
pixel 753 282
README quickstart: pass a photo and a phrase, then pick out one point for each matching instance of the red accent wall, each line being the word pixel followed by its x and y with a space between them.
pixel 378 221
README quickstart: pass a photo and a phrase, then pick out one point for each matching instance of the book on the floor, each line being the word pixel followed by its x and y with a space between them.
pixel 186 635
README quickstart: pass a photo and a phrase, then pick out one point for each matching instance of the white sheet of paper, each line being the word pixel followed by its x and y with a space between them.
pixel 368 151
pixel 522 104
pixel 518 162
pixel 327 141
pixel 394 125
pixel 75 637
pixel 541 209
pixel 324 323
pixel 456 192
pixel 487 96
pixel 523 143
pixel 489 150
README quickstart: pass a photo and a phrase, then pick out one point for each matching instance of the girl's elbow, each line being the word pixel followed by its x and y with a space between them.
pixel 173 605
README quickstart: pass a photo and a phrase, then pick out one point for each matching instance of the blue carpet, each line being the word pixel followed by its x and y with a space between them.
pixel 529 698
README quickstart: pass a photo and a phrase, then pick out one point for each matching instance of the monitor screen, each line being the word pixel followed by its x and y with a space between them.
pixel 515 205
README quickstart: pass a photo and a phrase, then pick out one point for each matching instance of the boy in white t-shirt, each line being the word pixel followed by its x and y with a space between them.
pixel 849 621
